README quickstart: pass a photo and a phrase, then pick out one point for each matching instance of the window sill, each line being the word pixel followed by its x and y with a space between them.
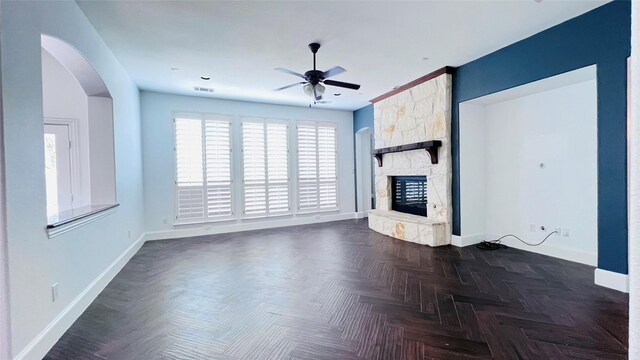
pixel 318 211
pixel 65 221
pixel 305 213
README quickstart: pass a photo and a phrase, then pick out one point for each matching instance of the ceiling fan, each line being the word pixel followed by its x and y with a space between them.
pixel 313 79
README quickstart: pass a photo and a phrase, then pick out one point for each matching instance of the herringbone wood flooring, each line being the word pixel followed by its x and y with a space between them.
pixel 340 291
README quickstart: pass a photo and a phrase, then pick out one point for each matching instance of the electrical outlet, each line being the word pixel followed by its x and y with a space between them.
pixel 54 292
pixel 565 232
pixel 558 231
pixel 129 234
pixel 532 227
pixel 165 221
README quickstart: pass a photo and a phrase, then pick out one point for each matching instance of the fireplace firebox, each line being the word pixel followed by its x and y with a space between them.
pixel 409 194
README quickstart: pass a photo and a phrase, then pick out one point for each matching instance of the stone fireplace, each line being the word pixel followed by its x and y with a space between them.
pixel 407 124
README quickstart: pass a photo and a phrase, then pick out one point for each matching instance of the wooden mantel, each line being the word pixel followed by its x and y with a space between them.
pixel 420 80
pixel 431 147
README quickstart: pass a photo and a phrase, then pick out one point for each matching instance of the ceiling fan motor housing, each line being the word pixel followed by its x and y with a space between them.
pixel 314 76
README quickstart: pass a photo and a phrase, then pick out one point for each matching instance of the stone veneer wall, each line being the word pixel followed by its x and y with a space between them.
pixel 421 113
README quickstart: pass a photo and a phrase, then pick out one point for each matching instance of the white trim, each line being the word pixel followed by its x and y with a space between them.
pixel 466 240
pixel 578 256
pixel 361 214
pixel 42 343
pixel 74 139
pixel 612 280
pixel 247 226
pixel 59 230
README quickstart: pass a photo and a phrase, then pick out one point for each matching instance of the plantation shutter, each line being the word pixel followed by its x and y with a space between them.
pixel 327 175
pixel 203 167
pixel 266 169
pixel 189 184
pixel 317 172
pixel 218 165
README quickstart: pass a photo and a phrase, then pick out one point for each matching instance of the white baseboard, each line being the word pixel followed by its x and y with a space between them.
pixel 39 346
pixel 563 253
pixel 211 229
pixel 612 280
pixel 466 240
pixel 361 214
pixel 555 251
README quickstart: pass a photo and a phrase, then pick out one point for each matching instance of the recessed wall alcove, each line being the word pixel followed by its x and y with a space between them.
pixel 529 166
pixel 78 135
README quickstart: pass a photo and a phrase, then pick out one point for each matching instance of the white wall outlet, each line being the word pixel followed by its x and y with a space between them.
pixel 54 292
pixel 532 227
pixel 565 232
pixel 165 221
pixel 558 231
pixel 129 234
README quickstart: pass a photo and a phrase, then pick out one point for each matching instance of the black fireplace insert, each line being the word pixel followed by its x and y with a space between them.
pixel 409 194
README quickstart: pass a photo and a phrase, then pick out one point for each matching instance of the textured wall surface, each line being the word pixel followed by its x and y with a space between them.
pixel 421 113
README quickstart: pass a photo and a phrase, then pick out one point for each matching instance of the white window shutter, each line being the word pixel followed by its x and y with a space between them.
pixel 266 170
pixel 218 165
pixel 203 167
pixel 253 155
pixel 277 167
pixel 317 166
pixel 327 175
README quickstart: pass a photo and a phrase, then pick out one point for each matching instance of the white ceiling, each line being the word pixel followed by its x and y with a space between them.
pixel 381 44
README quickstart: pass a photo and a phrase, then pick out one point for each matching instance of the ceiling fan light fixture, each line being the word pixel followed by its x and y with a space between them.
pixel 308 89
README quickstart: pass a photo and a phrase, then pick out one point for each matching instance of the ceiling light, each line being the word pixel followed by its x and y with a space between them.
pixel 337 94
pixel 174 69
pixel 308 89
pixel 205 77
pixel 425 59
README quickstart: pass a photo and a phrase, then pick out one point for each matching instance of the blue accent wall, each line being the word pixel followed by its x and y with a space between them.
pixel 601 37
pixel 363 118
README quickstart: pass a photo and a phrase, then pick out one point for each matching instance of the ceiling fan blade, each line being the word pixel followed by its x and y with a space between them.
pixel 288 86
pixel 290 72
pixel 336 70
pixel 342 84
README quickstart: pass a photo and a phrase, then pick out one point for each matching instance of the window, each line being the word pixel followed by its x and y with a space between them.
pixel 317 170
pixel 203 167
pixel 265 155
pixel 78 137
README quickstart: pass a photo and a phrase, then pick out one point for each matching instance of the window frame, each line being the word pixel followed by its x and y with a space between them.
pixel 265 120
pixel 202 117
pixel 76 175
pixel 317 124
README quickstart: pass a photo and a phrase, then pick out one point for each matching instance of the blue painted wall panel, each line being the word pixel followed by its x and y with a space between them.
pixel 600 37
pixel 363 118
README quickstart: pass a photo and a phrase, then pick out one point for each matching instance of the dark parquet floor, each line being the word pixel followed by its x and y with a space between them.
pixel 340 291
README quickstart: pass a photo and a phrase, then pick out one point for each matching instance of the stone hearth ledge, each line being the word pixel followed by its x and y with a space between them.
pixel 408 227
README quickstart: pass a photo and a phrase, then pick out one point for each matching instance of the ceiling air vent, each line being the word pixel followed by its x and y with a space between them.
pixel 203 89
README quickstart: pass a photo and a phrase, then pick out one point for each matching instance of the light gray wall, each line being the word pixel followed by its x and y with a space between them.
pixel 76 258
pixel 555 127
pixel 157 123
